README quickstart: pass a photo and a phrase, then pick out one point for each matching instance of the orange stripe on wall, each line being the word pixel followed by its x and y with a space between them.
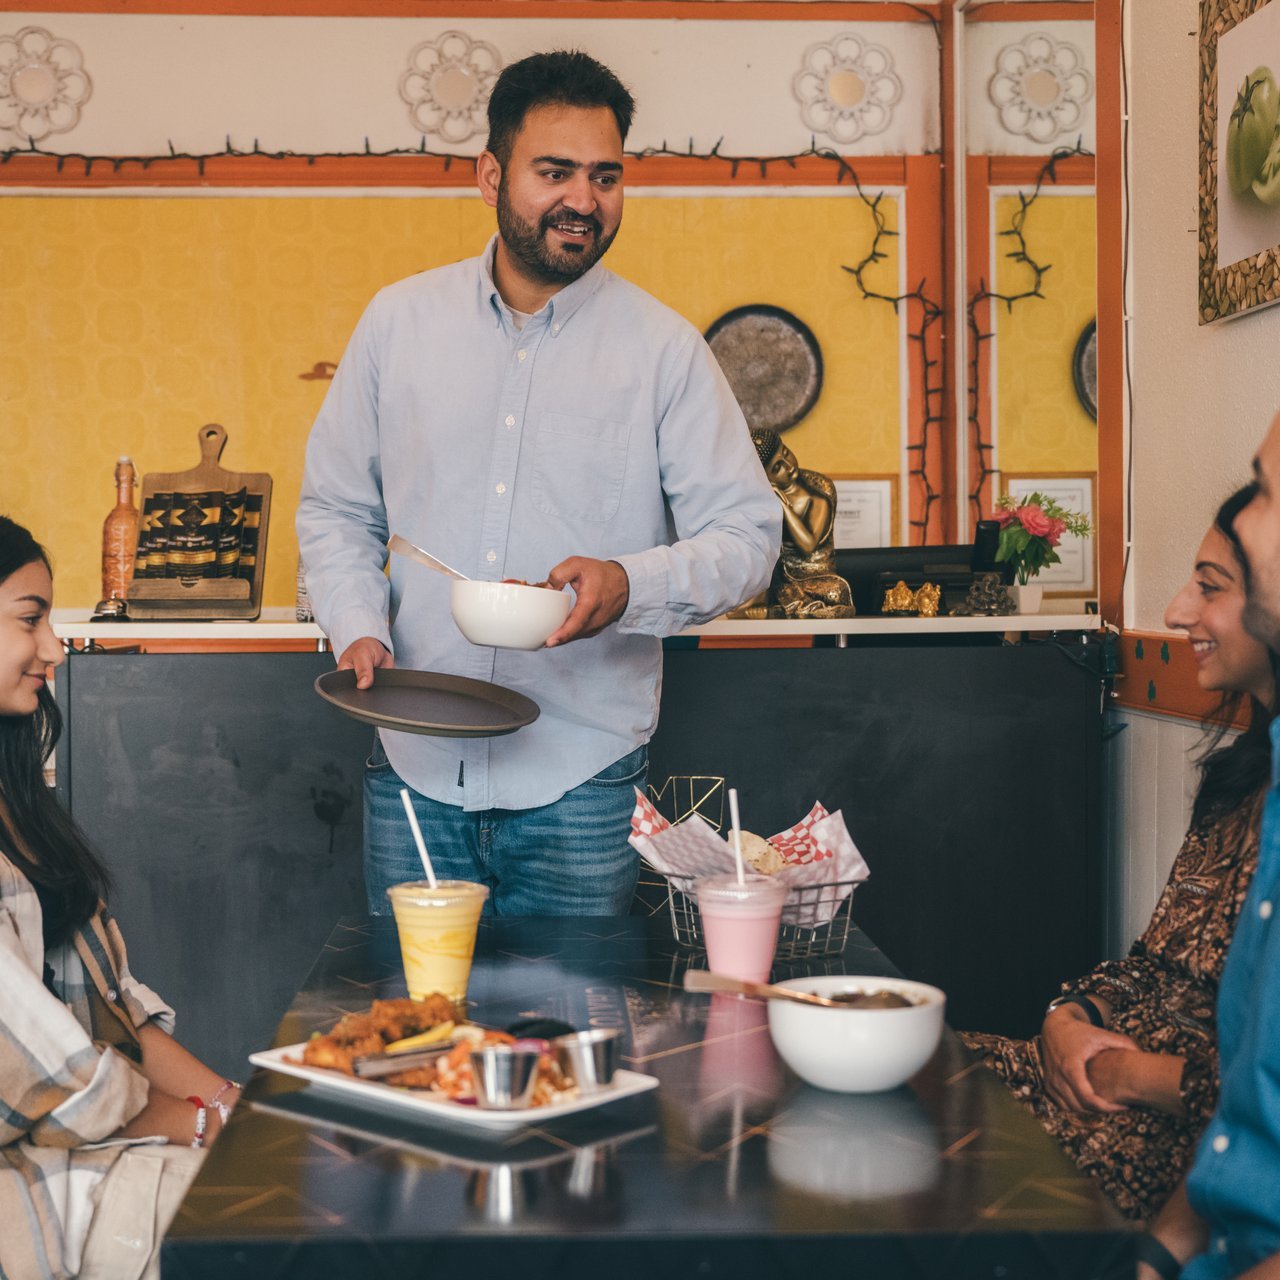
pixel 1021 171
pixel 949 396
pixel 1158 673
pixel 755 642
pixel 1111 335
pixel 21 170
pixel 978 268
pixel 1038 11
pixel 745 11
pixel 925 270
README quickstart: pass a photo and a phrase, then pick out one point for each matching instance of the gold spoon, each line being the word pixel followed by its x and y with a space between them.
pixel 702 981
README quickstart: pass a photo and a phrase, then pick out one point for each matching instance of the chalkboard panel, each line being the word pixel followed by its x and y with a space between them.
pixel 970 778
pixel 225 797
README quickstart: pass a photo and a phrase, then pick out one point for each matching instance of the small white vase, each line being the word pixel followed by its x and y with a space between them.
pixel 1027 599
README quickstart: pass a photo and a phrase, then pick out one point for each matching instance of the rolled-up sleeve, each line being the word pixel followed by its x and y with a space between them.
pixel 57 1087
pixel 342 519
pixel 727 519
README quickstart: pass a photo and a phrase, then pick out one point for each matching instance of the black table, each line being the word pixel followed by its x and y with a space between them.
pixel 731 1167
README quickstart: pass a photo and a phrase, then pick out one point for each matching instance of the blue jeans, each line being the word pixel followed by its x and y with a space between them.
pixel 568 858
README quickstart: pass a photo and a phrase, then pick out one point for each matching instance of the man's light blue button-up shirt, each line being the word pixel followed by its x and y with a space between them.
pixel 602 428
pixel 1234 1183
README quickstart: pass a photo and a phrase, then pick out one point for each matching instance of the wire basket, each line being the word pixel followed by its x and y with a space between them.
pixel 817 902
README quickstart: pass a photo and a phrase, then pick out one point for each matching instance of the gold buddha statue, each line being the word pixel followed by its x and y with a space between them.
pixel 805 583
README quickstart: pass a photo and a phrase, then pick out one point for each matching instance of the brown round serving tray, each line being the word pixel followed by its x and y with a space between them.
pixel 429 702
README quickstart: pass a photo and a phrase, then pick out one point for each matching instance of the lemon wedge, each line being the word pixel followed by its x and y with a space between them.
pixel 423 1040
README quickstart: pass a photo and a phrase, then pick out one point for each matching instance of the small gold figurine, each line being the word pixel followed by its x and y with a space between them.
pixel 927 598
pixel 805 583
pixel 899 599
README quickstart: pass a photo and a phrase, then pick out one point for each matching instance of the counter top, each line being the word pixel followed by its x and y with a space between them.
pixel 279 624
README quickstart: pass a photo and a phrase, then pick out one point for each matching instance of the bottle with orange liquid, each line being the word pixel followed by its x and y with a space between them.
pixel 119 543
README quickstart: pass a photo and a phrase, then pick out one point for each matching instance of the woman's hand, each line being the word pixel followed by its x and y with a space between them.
pixel 171 1117
pixel 1068 1041
pixel 1133 1079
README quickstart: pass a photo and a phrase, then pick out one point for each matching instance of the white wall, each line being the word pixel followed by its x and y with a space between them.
pixel 1203 395
pixel 1150 781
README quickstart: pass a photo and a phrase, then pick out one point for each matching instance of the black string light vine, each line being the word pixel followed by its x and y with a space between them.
pixel 1019 253
pixel 844 173
pixel 931 386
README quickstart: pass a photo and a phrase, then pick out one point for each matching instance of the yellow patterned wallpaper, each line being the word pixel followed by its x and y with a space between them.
pixel 1041 422
pixel 126 323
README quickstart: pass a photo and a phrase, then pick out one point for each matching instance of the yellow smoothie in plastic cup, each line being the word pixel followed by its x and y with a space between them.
pixel 437 929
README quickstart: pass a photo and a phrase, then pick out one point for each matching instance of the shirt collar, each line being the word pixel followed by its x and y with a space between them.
pixel 1274 731
pixel 559 308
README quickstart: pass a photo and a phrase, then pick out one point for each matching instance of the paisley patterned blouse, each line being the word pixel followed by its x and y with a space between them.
pixel 1162 995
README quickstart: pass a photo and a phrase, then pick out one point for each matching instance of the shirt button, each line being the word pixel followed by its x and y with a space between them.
pixel 1221 1246
pixel 555 328
pixel 491 556
pixel 113 995
pixel 500 487
pixel 520 355
pixel 510 420
pixel 1221 1143
pixel 1264 910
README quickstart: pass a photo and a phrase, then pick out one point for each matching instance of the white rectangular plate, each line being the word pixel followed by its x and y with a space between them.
pixel 421 1105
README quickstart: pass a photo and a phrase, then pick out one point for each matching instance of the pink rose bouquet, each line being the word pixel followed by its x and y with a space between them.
pixel 1030 528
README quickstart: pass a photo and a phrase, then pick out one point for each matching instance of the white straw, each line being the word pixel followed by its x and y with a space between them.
pixel 417 836
pixel 737 834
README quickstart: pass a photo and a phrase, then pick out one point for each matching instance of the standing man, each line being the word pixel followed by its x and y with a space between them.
pixel 1225 1218
pixel 528 414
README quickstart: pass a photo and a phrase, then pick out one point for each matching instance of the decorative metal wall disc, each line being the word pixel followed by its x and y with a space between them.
pixel 772 361
pixel 1084 369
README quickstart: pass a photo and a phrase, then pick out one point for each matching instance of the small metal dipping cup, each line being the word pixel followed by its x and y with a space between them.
pixel 504 1077
pixel 589 1058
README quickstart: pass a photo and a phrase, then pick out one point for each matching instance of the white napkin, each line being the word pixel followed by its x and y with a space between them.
pixel 817 850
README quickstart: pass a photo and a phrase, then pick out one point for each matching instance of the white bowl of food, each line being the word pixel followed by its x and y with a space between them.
pixel 858 1049
pixel 508 615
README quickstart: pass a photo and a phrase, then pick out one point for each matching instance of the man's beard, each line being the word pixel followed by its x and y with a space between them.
pixel 532 248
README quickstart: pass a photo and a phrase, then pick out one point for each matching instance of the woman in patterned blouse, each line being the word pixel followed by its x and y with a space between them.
pixel 101 1111
pixel 1124 1071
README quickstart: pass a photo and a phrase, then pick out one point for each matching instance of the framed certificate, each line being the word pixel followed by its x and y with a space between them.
pixel 865 510
pixel 1077 573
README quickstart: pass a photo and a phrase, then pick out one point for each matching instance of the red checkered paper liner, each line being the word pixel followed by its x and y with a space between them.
pixel 817 850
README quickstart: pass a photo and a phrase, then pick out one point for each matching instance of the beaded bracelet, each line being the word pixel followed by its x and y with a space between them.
pixel 226 1084
pixel 202 1120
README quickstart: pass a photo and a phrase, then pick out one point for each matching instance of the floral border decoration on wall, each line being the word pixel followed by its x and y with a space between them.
pixel 43 83
pixel 1040 87
pixel 847 88
pixel 447 85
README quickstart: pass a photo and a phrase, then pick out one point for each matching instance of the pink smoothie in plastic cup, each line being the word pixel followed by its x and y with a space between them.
pixel 740 924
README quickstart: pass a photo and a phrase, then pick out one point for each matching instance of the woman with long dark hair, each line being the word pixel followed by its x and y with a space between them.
pixel 1124 1073
pixel 86 1057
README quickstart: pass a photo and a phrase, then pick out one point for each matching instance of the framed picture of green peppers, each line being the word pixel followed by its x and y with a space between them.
pixel 1239 156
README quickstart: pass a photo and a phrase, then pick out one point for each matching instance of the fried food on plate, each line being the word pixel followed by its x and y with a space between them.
pixel 394 1022
pixel 358 1034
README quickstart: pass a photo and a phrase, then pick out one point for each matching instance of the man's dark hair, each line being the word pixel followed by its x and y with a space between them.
pixel 564 77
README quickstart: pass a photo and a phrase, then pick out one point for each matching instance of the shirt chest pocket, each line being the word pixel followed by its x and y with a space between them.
pixel 579 465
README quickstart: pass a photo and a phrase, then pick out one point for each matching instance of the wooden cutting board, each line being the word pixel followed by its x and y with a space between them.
pixel 202 598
